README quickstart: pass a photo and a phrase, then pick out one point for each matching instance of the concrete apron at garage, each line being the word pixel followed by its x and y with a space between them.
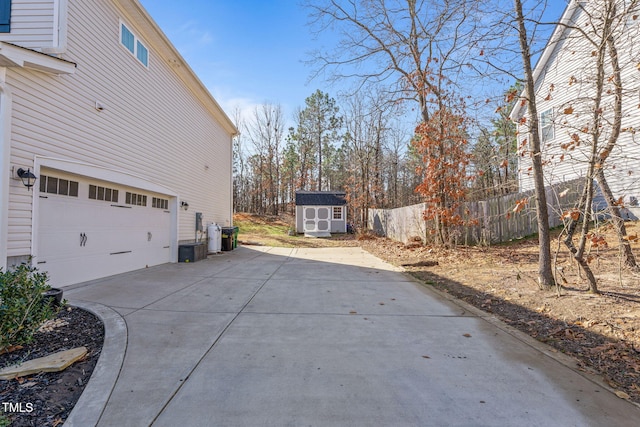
pixel 326 337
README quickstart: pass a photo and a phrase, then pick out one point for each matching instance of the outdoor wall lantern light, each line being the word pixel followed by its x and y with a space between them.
pixel 184 205
pixel 27 177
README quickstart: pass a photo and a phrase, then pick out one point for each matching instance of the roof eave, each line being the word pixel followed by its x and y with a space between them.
pixel 16 56
pixel 556 37
pixel 172 57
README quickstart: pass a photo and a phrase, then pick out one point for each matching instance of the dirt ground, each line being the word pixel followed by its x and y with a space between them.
pixel 601 331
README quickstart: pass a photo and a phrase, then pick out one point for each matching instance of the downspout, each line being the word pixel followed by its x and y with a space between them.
pixel 5 170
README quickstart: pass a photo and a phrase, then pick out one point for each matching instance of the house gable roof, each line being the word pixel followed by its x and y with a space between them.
pixel 558 35
pixel 321 198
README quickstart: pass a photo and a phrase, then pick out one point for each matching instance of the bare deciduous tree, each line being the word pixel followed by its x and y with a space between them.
pixel 594 101
pixel 409 47
pixel 595 115
pixel 545 267
pixel 367 126
pixel 266 132
pixel 240 172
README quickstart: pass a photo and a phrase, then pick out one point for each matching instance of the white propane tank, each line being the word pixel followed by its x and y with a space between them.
pixel 215 238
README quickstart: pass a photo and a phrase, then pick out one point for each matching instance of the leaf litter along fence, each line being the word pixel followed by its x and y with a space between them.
pixel 493 221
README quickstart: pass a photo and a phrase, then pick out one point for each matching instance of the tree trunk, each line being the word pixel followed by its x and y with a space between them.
pixel 545 271
pixel 618 223
pixel 578 253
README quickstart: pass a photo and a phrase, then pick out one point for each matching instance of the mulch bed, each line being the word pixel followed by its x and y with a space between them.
pixel 48 398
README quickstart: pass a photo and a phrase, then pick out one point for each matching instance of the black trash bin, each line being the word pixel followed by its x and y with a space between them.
pixel 227 238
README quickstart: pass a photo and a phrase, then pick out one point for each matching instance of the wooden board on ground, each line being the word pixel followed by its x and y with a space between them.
pixel 52 363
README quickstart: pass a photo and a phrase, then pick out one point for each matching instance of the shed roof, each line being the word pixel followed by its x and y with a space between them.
pixel 321 198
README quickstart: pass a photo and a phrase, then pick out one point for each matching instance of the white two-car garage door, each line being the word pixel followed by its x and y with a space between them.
pixel 91 229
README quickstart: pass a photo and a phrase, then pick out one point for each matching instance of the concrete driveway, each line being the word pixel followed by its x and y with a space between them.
pixel 324 337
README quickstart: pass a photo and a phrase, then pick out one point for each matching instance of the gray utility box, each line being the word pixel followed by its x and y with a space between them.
pixel 192 252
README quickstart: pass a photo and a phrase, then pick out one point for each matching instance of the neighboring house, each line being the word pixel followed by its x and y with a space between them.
pixel 125 142
pixel 565 78
pixel 320 213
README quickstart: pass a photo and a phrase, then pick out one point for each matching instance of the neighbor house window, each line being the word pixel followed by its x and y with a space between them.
pixel 63 187
pixel 546 126
pixel 134 45
pixel 337 212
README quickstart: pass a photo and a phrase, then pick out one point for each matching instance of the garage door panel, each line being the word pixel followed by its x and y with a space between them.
pixel 83 239
pixel 56 212
pixel 98 240
pixel 74 269
pixel 53 244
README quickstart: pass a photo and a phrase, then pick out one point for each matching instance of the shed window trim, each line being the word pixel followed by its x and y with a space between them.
pixel 130 41
pixel 337 213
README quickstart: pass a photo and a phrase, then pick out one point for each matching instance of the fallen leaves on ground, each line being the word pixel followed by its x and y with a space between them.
pixel 601 331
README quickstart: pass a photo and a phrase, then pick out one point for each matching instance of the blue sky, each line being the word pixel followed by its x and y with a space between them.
pixel 248 52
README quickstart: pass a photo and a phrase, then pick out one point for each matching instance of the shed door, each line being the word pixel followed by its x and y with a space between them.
pixel 84 236
pixel 317 219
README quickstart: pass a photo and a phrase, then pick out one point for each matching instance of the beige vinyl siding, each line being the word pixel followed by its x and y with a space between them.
pixel 152 124
pixel 32 24
pixel 19 235
pixel 573 58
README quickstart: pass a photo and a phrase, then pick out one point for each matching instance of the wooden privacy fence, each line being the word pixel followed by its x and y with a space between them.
pixel 494 220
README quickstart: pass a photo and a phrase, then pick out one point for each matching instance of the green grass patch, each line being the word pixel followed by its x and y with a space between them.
pixel 261 229
pixel 269 230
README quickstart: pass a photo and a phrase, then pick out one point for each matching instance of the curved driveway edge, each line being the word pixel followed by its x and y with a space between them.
pixel 330 337
pixel 89 407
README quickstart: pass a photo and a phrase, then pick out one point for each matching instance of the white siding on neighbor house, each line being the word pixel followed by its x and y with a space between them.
pixel 32 23
pixel 151 125
pixel 572 61
pixel 560 66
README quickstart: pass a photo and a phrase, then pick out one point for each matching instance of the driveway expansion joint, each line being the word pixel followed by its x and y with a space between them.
pixel 256 359
pixel 210 349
